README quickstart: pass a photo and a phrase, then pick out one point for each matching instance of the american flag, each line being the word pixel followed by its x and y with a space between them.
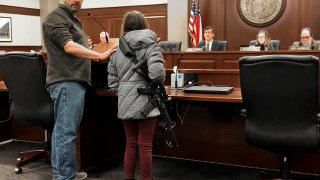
pixel 199 24
pixel 195 24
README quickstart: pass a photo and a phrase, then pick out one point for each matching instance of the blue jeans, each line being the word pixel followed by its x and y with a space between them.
pixel 69 100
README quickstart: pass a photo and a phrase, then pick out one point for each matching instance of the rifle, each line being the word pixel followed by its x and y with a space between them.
pixel 157 95
pixel 159 98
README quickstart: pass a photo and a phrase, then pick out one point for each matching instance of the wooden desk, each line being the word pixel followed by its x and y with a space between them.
pixel 3 87
pixel 5 128
pixel 220 67
pixel 233 97
pixel 219 59
pixel 101 135
pixel 212 129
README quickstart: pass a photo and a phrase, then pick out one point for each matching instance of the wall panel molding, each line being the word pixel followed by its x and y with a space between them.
pixel 111 18
pixel 19 10
pixel 21 48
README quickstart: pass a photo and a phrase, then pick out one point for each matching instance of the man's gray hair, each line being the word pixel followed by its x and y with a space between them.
pixel 104 34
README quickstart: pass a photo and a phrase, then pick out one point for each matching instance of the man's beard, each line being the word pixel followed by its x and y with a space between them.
pixel 73 9
pixel 306 44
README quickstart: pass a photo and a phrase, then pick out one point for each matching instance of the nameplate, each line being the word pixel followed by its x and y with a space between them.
pixel 303 48
pixel 250 48
pixel 193 49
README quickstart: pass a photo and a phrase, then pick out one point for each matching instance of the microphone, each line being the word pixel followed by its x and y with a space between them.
pixel 175 70
pixel 107 39
pixel 262 47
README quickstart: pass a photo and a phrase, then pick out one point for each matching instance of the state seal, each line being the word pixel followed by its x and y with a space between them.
pixel 260 12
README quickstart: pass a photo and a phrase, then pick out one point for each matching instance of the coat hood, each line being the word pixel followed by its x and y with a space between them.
pixel 140 39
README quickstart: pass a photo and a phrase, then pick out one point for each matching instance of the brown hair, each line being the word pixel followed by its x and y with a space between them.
pixel 134 20
pixel 210 27
pixel 268 42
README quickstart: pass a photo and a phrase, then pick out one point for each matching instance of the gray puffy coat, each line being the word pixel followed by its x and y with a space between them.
pixel 130 102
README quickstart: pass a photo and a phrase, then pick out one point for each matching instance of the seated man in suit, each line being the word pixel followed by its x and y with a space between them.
pixel 307 41
pixel 209 44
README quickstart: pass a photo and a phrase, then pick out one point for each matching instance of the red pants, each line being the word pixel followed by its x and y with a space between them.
pixel 139 134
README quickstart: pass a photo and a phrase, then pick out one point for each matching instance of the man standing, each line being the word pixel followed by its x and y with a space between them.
pixel 209 44
pixel 68 75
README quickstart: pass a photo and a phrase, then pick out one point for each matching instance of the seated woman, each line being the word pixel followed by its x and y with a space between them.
pixel 263 39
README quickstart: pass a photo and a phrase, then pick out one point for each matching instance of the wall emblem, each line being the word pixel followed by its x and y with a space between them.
pixel 260 12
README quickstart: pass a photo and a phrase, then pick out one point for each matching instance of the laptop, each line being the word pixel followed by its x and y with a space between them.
pixel 209 89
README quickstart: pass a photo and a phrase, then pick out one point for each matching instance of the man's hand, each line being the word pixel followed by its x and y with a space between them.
pixel 83 52
pixel 108 52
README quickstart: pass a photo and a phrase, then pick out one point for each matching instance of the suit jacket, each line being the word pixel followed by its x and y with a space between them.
pixel 216 45
pixel 315 45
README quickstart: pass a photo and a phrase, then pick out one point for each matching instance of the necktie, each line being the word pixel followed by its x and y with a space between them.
pixel 207 47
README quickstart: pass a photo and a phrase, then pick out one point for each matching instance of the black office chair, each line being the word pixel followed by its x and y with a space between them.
pixel 276 43
pixel 225 45
pixel 281 98
pixel 24 75
pixel 170 45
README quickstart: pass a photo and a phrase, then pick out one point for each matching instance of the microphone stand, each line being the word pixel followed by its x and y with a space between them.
pixel 105 32
pixel 176 80
pixel 103 46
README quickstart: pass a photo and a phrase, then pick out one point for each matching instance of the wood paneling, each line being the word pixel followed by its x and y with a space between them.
pixel 224 16
pixel 20 48
pixel 111 20
pixel 312 17
pixel 19 10
pixel 221 67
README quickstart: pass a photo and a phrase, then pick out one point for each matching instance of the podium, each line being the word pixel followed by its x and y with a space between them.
pixel 99 70
pixel 103 46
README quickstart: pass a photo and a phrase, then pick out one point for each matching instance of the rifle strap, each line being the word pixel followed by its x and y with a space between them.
pixel 131 70
pixel 135 61
pixel 145 111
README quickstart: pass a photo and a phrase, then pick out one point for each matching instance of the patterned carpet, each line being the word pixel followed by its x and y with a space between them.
pixel 163 168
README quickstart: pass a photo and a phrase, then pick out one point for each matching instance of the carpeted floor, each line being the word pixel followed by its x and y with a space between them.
pixel 163 168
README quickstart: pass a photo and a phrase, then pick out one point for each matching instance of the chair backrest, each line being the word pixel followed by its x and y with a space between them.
pixel 281 97
pixel 170 45
pixel 225 45
pixel 24 75
pixel 276 43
